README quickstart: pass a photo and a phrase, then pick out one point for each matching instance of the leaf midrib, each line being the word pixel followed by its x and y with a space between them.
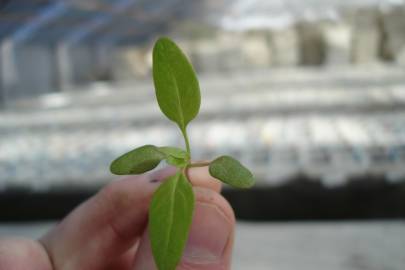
pixel 180 107
pixel 171 217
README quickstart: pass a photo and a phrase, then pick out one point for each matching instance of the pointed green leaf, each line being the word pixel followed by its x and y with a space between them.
pixel 170 216
pixel 231 172
pixel 176 84
pixel 139 160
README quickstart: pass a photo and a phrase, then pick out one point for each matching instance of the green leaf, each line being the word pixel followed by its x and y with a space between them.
pixel 173 151
pixel 175 156
pixel 139 160
pixel 178 162
pixel 170 216
pixel 231 172
pixel 176 84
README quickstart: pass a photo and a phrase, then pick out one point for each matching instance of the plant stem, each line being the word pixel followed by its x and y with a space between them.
pixel 184 132
pixel 198 164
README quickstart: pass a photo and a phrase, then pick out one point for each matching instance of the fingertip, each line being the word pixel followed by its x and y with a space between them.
pixel 201 177
pixel 162 174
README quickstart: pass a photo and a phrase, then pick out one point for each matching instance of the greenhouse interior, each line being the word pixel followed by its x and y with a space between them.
pixel 310 95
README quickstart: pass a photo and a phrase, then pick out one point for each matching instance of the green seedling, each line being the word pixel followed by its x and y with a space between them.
pixel 171 209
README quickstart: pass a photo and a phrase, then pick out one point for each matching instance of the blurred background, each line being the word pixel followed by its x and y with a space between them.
pixel 308 94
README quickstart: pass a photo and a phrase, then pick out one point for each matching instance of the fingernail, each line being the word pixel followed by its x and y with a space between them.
pixel 209 235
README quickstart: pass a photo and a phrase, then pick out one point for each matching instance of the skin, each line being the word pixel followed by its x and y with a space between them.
pixel 109 231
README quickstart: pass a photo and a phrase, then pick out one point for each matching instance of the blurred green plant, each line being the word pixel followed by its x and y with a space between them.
pixel 171 209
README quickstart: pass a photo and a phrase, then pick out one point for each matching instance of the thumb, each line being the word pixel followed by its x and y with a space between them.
pixel 210 240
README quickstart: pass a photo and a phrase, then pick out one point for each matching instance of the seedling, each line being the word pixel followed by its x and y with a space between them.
pixel 171 209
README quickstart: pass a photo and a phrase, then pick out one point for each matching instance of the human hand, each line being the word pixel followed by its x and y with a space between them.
pixel 108 231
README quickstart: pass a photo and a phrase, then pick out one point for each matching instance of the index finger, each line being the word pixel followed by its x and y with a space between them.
pixel 108 225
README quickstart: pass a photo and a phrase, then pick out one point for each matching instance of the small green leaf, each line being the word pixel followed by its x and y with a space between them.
pixel 175 156
pixel 170 216
pixel 139 160
pixel 231 172
pixel 178 162
pixel 173 151
pixel 176 84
